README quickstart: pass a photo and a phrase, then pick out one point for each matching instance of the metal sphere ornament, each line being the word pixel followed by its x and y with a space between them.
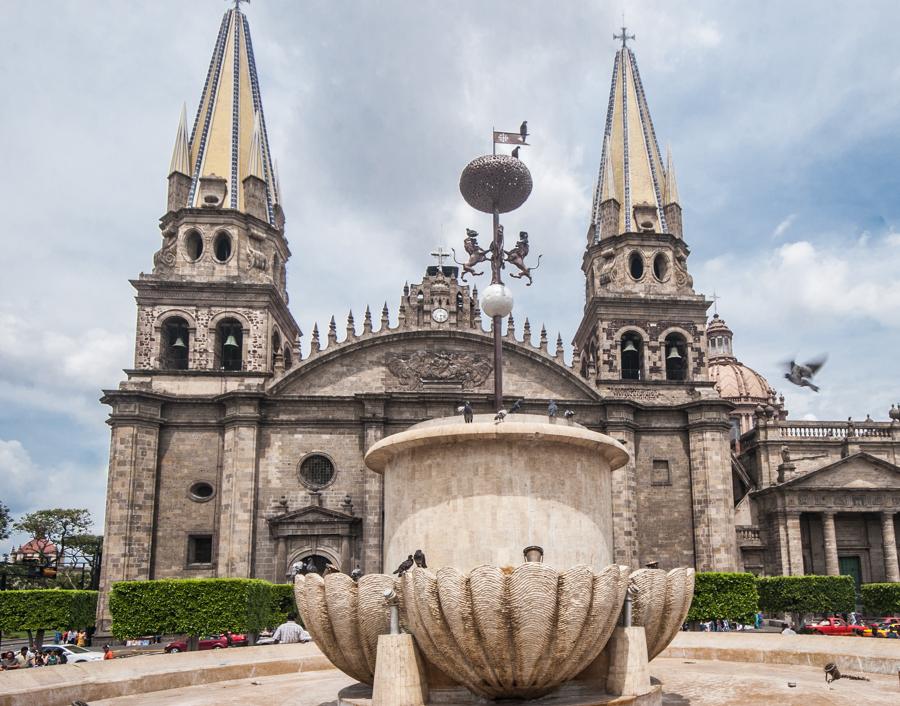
pixel 497 300
pixel 495 181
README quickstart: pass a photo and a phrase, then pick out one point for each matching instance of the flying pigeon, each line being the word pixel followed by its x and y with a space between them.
pixel 801 375
pixel 405 566
pixel 467 412
pixel 419 558
pixel 523 130
pixel 356 574
pixel 500 416
pixel 569 414
pixel 552 409
pixel 516 406
pixel 515 153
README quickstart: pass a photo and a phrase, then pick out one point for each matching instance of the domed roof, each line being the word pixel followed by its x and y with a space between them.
pixel 736 382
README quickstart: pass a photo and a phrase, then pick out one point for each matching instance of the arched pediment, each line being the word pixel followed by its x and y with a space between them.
pixel 422 361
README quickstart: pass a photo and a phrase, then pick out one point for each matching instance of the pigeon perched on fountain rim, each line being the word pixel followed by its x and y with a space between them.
pixel 552 409
pixel 405 566
pixel 419 559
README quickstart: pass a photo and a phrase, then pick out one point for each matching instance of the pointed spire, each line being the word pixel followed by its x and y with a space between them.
pixel 351 326
pixel 526 332
pixel 255 164
pixel 181 154
pixel 332 331
pixel 543 342
pixel 229 113
pixel 631 163
pixel 576 358
pixel 560 351
pixel 367 321
pixel 385 322
pixel 315 346
pixel 277 172
pixel 511 327
pixel 671 184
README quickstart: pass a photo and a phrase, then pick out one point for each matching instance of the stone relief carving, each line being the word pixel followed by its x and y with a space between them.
pixel 682 277
pixel 165 256
pixel 466 369
pixel 608 273
pixel 257 259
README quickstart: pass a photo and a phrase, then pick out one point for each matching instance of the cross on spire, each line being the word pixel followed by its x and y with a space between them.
pixel 715 298
pixel 624 36
pixel 237 4
pixel 440 255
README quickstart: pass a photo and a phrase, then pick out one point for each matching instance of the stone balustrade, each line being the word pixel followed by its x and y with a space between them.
pixel 818 430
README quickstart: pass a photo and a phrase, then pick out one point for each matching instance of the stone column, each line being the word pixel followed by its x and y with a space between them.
pixel 238 491
pixel 372 423
pixel 831 552
pixel 889 547
pixel 345 554
pixel 620 426
pixel 794 544
pixel 280 559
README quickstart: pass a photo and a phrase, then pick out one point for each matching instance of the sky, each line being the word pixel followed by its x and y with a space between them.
pixel 783 119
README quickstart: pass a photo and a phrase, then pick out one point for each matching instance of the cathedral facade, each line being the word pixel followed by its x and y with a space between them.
pixel 233 455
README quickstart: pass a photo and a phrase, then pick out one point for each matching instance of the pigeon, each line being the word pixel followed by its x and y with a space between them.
pixel 419 558
pixel 552 409
pixel 310 567
pixel 569 414
pixel 801 375
pixel 516 406
pixel 515 153
pixel 330 569
pixel 523 130
pixel 467 412
pixel 405 566
pixel 500 416
pixel 356 574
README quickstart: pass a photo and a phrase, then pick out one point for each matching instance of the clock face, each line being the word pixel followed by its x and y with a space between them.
pixel 440 315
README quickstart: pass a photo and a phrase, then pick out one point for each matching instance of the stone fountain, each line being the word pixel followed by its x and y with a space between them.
pixel 480 624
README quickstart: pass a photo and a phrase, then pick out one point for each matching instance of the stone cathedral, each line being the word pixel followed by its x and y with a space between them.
pixel 233 455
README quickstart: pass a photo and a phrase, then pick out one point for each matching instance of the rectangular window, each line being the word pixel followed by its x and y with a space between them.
pixel 200 549
pixel 660 473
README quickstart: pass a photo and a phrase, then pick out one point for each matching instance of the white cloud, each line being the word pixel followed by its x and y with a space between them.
pixel 782 227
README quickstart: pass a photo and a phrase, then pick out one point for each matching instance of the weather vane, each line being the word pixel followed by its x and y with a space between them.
pixel 495 184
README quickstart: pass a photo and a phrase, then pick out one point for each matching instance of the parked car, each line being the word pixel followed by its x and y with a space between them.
pixel 210 642
pixel 74 653
pixel 832 626
pixel 880 628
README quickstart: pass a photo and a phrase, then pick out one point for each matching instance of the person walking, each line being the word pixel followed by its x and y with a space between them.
pixel 290 632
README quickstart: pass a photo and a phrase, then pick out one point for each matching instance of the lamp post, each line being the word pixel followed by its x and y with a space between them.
pixel 495 184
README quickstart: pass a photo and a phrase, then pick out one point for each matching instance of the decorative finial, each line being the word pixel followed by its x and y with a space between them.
pixel 237 4
pixel 715 299
pixel 440 255
pixel 624 36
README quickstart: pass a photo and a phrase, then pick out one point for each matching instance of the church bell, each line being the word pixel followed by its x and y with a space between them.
pixel 673 354
pixel 230 342
pixel 179 343
pixel 629 347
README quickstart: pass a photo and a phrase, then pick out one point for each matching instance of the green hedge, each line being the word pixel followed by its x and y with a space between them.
pixel 881 598
pixel 806 594
pixel 47 609
pixel 189 606
pixel 283 603
pixel 726 596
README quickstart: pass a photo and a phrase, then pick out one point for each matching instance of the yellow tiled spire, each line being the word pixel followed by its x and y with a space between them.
pixel 632 167
pixel 230 111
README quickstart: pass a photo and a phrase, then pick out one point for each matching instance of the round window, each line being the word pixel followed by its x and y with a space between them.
pixel 316 471
pixel 201 492
pixel 193 245
pixel 636 264
pixel 222 246
pixel 660 267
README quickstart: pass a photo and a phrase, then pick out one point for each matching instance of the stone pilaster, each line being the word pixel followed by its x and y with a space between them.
pixel 715 543
pixel 794 544
pixel 373 503
pixel 889 547
pixel 620 426
pixel 831 552
pixel 238 489
pixel 130 496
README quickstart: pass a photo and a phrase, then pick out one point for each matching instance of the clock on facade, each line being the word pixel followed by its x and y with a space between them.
pixel 440 315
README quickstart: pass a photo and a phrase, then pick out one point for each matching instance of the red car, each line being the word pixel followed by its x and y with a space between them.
pixel 211 642
pixel 833 626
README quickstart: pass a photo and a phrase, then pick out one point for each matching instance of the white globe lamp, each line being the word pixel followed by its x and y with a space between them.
pixel 497 300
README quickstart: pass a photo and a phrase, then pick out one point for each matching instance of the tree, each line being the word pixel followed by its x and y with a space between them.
pixel 4 521
pixel 86 550
pixel 57 525
pixel 42 610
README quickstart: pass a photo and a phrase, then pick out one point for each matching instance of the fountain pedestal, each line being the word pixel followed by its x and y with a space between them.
pixel 479 493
